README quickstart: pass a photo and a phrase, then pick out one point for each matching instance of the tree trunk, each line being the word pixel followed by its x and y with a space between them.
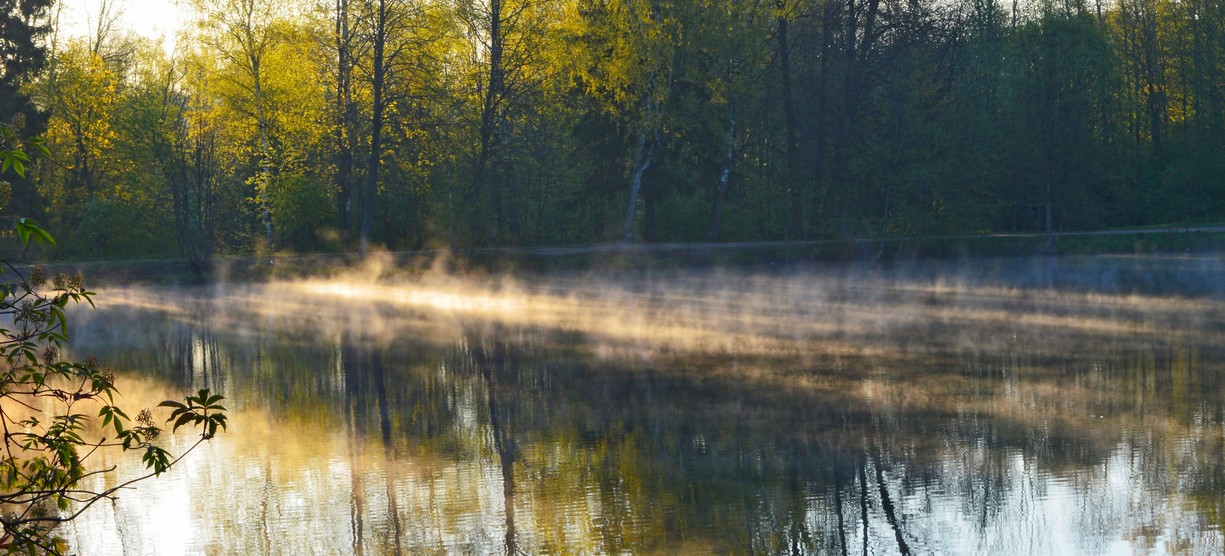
pixel 189 164
pixel 507 171
pixel 650 202
pixel 1050 228
pixel 490 132
pixel 820 167
pixel 790 122
pixel 643 156
pixel 856 55
pixel 1155 78
pixel 379 64
pixel 346 113
pixel 725 171
pixel 265 169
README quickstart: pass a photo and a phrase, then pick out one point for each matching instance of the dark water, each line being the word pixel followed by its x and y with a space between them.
pixel 1007 407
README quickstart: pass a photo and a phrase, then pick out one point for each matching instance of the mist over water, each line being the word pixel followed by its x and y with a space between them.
pixel 985 406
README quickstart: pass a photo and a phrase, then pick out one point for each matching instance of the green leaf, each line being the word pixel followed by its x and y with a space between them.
pixel 156 459
pixel 40 144
pixel 22 231
pixel 183 420
pixel 27 228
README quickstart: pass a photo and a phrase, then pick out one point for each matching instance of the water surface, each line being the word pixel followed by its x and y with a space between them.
pixel 999 406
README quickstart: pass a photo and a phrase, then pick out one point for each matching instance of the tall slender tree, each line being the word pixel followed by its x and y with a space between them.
pixel 241 33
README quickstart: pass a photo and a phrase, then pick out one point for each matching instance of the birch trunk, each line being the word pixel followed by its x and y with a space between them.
pixel 725 172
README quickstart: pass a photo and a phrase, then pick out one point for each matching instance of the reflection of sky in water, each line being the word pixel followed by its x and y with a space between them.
pixel 866 410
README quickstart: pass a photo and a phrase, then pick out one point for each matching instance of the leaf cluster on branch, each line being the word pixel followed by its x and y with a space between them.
pixel 56 413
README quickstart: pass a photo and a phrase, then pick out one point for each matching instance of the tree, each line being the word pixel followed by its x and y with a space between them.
pixel 344 118
pixel 81 91
pixel 23 25
pixel 47 404
pixel 22 56
pixel 381 20
pixel 507 41
pixel 185 137
pixel 242 33
pixel 785 14
pixel 388 26
pixel 487 24
pixel 731 49
pixel 1063 61
pixel 626 74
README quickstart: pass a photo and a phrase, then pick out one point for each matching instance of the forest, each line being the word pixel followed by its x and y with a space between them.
pixel 342 125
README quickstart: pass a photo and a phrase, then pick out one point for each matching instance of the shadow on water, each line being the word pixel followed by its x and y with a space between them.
pixel 898 416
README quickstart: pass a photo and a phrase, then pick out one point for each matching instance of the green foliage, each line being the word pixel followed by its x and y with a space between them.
pixel 300 209
pixel 196 412
pixel 14 156
pixel 28 229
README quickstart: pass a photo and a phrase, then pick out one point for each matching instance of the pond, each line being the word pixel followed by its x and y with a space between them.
pixel 1010 406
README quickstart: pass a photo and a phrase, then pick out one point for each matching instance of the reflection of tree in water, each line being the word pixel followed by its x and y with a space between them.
pixel 365 389
pixel 497 362
pixel 702 452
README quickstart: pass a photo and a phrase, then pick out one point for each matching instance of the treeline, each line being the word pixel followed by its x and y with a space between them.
pixel 418 123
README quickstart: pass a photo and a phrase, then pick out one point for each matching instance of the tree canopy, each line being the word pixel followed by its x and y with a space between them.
pixel 312 126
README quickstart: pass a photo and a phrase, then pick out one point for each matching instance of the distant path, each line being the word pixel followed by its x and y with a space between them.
pixel 249 267
pixel 627 248
pixel 1122 232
